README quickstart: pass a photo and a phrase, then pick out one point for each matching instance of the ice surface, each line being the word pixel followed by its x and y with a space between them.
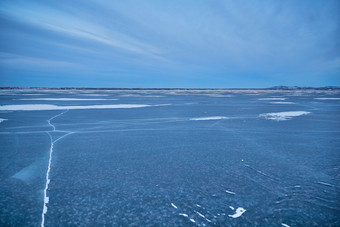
pixel 125 167
pixel 208 118
pixel 55 107
pixel 239 211
pixel 282 116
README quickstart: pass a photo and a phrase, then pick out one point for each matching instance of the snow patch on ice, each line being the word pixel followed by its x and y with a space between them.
pixel 281 103
pixel 285 225
pixel 239 211
pixel 272 99
pixel 30 107
pixel 282 116
pixel 93 94
pixel 1 120
pixel 32 94
pixel 208 118
pixel 65 99
pixel 327 98
pixel 182 214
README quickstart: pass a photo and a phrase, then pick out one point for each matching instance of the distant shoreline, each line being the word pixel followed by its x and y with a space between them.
pixel 226 89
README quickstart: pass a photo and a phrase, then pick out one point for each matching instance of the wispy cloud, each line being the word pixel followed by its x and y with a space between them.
pixel 226 43
pixel 19 60
pixel 70 25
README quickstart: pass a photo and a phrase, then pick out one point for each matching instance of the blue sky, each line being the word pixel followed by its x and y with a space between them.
pixel 192 43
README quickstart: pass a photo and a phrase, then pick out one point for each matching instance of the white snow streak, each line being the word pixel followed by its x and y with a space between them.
pixel 208 118
pixel 202 216
pixel 230 192
pixel 282 116
pixel 174 206
pixel 284 103
pixel 327 184
pixel 327 98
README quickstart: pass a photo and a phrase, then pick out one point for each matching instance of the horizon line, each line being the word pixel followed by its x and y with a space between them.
pixel 175 88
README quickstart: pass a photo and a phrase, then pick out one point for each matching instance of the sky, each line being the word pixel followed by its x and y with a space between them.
pixel 169 44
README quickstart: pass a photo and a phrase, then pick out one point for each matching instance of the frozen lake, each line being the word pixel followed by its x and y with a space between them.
pixel 169 158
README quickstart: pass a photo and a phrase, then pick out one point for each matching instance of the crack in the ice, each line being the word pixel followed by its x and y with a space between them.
pixel 46 198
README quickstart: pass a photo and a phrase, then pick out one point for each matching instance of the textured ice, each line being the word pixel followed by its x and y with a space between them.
pixel 55 107
pixel 208 118
pixel 282 116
